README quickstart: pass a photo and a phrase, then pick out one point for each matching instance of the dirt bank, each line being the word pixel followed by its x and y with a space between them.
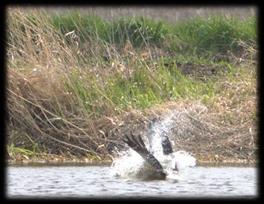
pixel 189 125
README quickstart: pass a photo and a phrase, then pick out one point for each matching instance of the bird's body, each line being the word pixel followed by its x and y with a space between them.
pixel 151 167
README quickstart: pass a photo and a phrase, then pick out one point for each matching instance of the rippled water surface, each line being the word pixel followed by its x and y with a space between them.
pixel 97 181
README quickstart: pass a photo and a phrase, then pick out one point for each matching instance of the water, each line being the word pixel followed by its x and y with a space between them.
pixel 97 181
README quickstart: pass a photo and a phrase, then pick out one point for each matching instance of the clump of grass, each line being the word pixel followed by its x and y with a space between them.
pixel 215 35
pixel 140 31
pixel 86 27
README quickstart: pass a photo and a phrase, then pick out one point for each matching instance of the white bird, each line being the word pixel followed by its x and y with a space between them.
pixel 157 162
pixel 152 168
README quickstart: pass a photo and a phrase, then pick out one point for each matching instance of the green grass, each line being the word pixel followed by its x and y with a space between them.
pixel 143 89
pixel 87 27
pixel 138 30
pixel 23 144
pixel 217 34
pixel 13 151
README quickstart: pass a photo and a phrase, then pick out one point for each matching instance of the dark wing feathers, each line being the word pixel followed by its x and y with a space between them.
pixel 137 144
pixel 166 145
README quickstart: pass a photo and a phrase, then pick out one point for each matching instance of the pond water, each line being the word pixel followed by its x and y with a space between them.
pixel 98 182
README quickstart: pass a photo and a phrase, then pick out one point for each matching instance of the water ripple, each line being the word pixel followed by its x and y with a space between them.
pixel 98 182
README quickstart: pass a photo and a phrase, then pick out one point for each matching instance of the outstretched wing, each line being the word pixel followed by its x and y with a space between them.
pixel 166 145
pixel 137 144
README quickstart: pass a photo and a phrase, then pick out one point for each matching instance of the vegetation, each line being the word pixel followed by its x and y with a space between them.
pixel 73 77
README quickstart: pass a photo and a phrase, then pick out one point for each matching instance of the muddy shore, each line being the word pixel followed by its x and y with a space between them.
pixel 86 162
pixel 210 146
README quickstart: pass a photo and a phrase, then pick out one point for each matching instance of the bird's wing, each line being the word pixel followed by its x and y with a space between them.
pixel 137 144
pixel 166 145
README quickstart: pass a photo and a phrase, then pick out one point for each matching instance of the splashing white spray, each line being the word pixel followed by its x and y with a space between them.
pixel 129 163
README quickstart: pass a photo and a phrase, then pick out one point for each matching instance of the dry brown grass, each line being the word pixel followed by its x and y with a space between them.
pixel 203 131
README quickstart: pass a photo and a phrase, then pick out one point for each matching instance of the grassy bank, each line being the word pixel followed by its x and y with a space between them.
pixel 75 81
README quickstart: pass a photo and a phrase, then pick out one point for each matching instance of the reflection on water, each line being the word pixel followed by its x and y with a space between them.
pixel 97 181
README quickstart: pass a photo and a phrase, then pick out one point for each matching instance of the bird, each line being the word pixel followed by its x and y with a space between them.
pixel 152 168
pixel 154 160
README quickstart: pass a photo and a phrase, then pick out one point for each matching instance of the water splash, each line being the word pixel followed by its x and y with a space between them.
pixel 130 163
pixel 127 164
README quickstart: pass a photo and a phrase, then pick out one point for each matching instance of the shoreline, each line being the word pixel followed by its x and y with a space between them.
pixel 231 163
